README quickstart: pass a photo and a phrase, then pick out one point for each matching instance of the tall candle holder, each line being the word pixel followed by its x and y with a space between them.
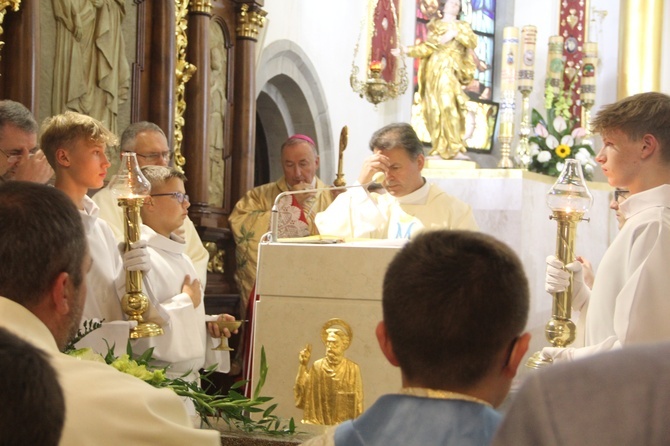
pixel 568 199
pixel 506 131
pixel 131 187
pixel 588 88
pixel 525 79
pixel 510 49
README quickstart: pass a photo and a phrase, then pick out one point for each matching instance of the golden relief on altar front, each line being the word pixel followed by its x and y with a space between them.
pixel 331 390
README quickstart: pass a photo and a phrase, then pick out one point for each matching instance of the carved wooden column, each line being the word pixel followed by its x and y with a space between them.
pixel 195 147
pixel 19 63
pixel 250 18
pixel 153 73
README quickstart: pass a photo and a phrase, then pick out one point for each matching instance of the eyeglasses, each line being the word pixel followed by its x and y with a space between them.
pixel 177 195
pixel 13 157
pixel 153 157
pixel 621 193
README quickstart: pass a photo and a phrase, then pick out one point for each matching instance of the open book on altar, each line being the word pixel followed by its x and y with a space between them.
pixel 333 239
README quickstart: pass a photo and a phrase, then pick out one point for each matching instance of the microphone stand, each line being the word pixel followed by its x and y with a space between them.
pixel 271 237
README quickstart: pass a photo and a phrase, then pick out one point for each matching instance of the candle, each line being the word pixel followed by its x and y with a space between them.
pixel 555 63
pixel 510 49
pixel 590 62
pixel 527 63
pixel 375 65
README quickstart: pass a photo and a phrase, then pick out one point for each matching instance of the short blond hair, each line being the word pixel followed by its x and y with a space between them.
pixel 62 131
pixel 636 116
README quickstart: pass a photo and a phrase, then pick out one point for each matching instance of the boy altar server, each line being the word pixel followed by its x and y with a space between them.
pixel 172 286
pixel 75 146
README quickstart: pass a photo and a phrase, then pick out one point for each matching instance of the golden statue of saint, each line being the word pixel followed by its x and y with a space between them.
pixel 331 391
pixel 447 65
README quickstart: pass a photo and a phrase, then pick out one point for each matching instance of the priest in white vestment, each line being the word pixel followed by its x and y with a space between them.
pixel 409 205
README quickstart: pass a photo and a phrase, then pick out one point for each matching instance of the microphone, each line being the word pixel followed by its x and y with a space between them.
pixel 377 178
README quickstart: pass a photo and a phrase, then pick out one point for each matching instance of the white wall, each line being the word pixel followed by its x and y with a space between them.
pixel 327 33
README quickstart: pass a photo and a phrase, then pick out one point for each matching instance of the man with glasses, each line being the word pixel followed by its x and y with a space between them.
pixel 628 303
pixel 150 145
pixel 20 159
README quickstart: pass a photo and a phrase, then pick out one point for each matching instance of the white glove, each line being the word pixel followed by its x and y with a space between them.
pixel 137 258
pixel 558 279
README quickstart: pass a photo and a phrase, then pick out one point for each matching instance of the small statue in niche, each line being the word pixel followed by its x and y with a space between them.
pixel 218 104
pixel 331 391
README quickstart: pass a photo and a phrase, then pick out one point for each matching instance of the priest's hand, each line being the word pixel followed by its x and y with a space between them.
pixel 558 279
pixel 137 258
pixel 33 168
pixel 305 354
pixel 214 330
pixel 302 198
pixel 192 288
pixel 373 164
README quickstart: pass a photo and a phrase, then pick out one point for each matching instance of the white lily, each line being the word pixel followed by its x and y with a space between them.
pixel 541 130
pixel 543 156
pixel 552 142
pixel 559 124
pixel 568 140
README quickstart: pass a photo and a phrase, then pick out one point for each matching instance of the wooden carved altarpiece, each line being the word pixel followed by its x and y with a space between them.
pixel 173 83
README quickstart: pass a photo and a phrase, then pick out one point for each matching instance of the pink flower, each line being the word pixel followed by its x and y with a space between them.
pixel 541 130
pixel 579 132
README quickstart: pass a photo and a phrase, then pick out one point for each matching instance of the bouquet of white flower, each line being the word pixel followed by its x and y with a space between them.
pixel 555 140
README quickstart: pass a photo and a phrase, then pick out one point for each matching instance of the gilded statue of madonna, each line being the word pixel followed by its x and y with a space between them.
pixel 447 65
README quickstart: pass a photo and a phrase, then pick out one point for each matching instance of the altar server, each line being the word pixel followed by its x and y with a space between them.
pixel 628 303
pixel 172 285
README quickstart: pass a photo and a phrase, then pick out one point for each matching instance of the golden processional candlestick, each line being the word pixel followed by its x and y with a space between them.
pixel 568 199
pixel 344 138
pixel 131 188
pixel 525 78
pixel 588 88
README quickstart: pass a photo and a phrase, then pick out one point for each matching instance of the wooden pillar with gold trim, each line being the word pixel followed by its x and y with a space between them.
pixel 19 57
pixel 195 147
pixel 250 18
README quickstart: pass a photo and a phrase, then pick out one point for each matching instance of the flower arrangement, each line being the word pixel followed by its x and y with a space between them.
pixel 234 408
pixel 558 137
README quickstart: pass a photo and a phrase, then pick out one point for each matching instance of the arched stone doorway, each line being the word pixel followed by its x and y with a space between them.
pixel 290 100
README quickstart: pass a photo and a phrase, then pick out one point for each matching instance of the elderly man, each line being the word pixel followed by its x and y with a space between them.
pixel 410 205
pixel 251 217
pixel 45 259
pixel 19 157
pixel 149 143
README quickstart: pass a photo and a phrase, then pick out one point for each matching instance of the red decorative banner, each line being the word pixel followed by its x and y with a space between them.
pixel 384 38
pixel 573 29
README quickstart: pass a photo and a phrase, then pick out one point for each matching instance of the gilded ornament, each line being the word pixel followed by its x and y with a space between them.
pixel 250 22
pixel 183 73
pixel 201 6
pixel 331 390
pixel 4 4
